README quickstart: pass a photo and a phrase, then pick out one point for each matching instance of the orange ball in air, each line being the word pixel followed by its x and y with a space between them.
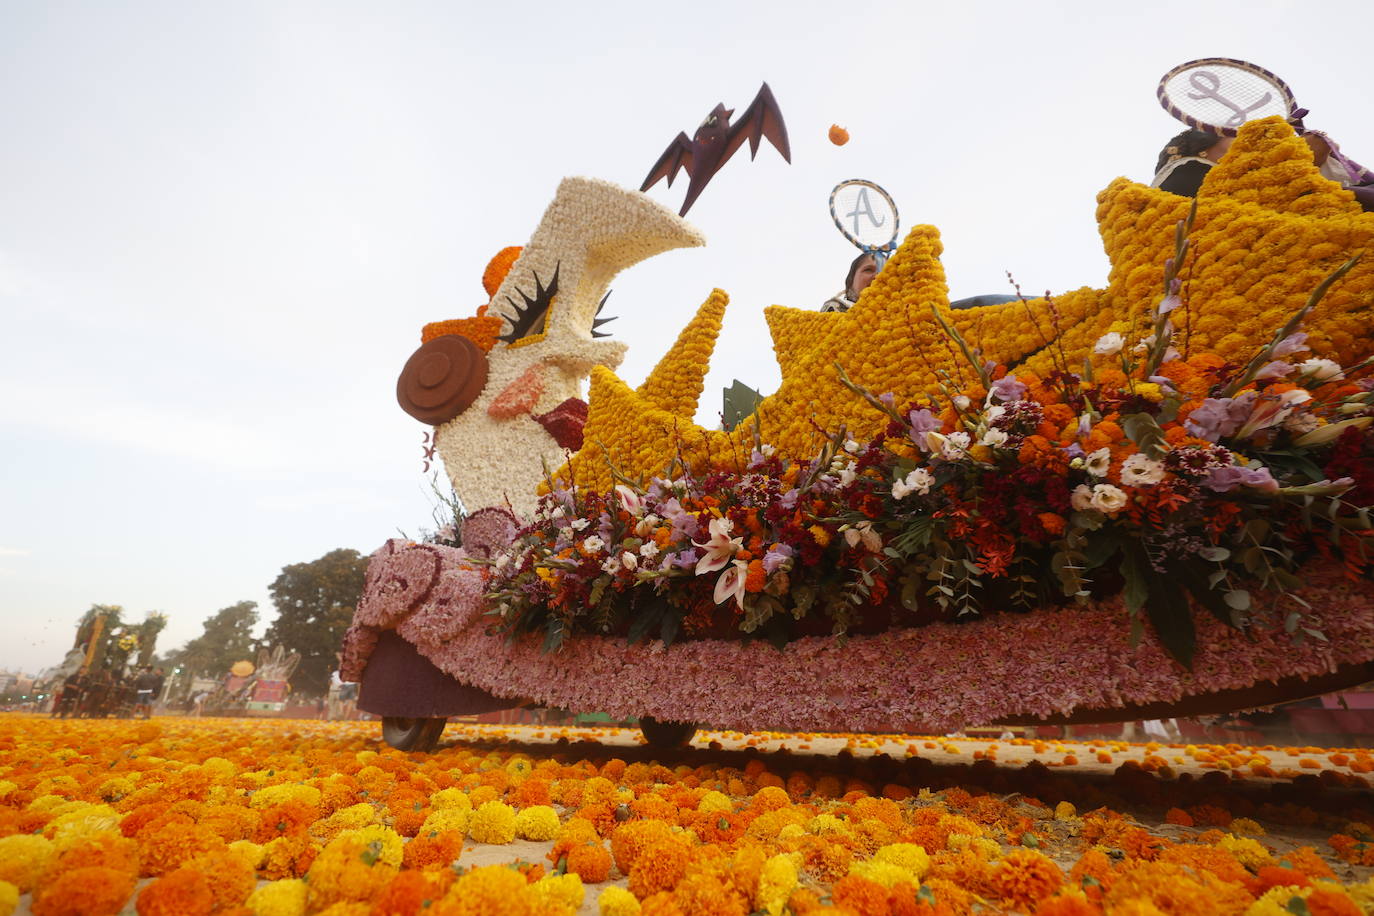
pixel 838 135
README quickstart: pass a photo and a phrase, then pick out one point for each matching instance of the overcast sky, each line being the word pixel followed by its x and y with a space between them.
pixel 223 225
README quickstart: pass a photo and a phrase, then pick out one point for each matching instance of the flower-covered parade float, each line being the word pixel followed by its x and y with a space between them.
pixel 1127 502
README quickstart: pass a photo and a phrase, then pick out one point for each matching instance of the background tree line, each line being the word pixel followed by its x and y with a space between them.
pixel 314 603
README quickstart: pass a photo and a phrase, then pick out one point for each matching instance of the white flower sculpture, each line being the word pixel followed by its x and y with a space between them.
pixel 590 232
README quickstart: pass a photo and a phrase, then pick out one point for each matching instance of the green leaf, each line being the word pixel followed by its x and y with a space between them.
pixel 1136 590
pixel 671 624
pixel 554 632
pixel 739 402
pixel 1167 607
pixel 1215 554
pixel 1238 598
pixel 648 617
pixel 1146 434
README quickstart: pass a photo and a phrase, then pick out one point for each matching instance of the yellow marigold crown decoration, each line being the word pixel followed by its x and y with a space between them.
pixel 1269 227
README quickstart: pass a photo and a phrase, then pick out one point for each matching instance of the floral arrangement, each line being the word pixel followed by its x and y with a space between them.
pixel 1268 228
pixel 296 818
pixel 1172 480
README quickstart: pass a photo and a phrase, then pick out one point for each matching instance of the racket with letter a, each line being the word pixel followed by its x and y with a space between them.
pixel 1219 94
pixel 866 215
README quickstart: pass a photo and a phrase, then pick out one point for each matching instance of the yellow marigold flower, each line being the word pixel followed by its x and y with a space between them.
pixel 24 858
pixel 71 828
pixel 566 889
pixel 820 535
pixel 1248 852
pixel 884 873
pixel 446 819
pixel 249 852
pixel 494 822
pixel 538 823
pixel 616 901
pixel 350 818
pixel 488 889
pixel 279 898
pixel 823 824
pixel 1149 391
pixel 9 898
pixel 777 881
pixel 285 792
pixel 381 844
pixel 6 789
pixel 791 832
pixel 1276 900
pixel 714 801
pixel 909 856
pixel 1244 826
pixel 445 799
pixel 1065 810
pixel 365 757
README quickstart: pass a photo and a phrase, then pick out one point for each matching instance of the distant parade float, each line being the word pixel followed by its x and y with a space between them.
pixel 1144 500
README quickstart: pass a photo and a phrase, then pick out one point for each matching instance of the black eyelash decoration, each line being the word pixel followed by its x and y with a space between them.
pixel 597 320
pixel 530 316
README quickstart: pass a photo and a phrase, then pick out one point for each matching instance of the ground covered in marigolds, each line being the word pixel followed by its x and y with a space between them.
pixel 279 818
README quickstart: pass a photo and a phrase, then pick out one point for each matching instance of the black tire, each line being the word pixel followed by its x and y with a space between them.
pixel 417 735
pixel 667 734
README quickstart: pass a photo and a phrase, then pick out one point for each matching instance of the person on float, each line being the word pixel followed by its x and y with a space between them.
pixel 1339 168
pixel 862 270
pixel 1186 159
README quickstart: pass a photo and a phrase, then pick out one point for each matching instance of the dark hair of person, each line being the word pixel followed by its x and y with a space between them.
pixel 853 269
pixel 1189 143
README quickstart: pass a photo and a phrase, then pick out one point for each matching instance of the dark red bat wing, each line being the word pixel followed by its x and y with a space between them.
pixel 763 118
pixel 678 155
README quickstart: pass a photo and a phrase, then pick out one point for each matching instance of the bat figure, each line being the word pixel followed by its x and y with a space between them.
pixel 716 140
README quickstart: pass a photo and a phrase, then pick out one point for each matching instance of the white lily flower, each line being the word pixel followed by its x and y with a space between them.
pixel 719 548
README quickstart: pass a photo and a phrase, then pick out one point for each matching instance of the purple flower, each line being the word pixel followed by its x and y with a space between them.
pixel 684 559
pixel 1293 343
pixel 888 398
pixel 1169 303
pixel 922 422
pixel 1085 426
pixel 1276 368
pixel 1226 479
pixel 775 557
pixel 789 499
pixel 1074 450
pixel 1217 418
pixel 1007 388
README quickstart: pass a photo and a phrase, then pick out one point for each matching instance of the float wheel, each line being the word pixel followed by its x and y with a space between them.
pixel 406 734
pixel 667 734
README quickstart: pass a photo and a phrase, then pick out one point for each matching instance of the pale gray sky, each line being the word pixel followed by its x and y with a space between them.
pixel 222 226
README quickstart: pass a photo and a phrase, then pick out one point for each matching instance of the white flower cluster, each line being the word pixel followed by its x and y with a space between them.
pixel 591 231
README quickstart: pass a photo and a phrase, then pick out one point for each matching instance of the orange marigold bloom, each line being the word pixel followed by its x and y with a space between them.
pixel 107 849
pixel 1206 857
pixel 706 895
pixel 630 840
pixel 1306 860
pixel 412 892
pixel 184 892
pixel 860 895
pixel 590 862
pixel 166 848
pixel 1025 877
pixel 93 891
pixel 1070 904
pixel 498 267
pixel 289 818
pixel 1052 522
pixel 433 850
pixel 1324 902
pixel 1178 816
pixel 660 867
pixel 1274 876
pixel 228 876
pixel 756 578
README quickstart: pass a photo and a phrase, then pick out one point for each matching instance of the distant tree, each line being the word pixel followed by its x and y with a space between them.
pixel 100 623
pixel 315 603
pixel 227 637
